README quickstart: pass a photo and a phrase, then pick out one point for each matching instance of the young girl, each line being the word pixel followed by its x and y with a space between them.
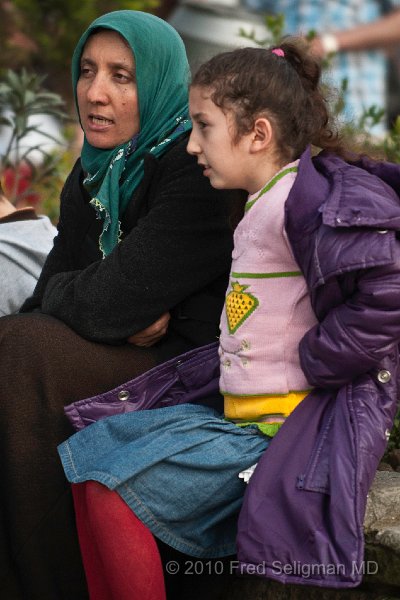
pixel 248 135
pixel 308 347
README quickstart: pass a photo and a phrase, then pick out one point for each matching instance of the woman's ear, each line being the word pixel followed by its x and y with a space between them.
pixel 262 135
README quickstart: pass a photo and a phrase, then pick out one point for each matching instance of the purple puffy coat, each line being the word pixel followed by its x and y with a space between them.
pixel 303 511
pixel 302 517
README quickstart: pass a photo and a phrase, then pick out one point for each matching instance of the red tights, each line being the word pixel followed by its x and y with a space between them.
pixel 119 554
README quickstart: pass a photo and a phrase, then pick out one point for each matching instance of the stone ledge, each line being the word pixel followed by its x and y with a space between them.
pixel 383 504
pixel 244 588
pixel 382 528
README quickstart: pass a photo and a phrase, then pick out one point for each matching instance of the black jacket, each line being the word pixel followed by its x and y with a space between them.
pixel 175 255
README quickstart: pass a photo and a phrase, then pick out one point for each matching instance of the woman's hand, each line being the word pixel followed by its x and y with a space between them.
pixel 152 334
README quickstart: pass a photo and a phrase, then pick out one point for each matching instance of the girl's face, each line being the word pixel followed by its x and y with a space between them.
pixel 106 91
pixel 225 162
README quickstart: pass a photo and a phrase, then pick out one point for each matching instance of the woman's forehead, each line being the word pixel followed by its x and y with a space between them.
pixel 100 35
pixel 111 43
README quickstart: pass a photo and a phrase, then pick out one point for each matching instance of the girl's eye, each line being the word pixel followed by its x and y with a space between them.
pixel 202 125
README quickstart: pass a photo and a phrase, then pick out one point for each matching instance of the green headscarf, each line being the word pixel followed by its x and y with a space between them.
pixel 162 75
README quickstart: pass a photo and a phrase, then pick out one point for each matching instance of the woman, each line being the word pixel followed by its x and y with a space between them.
pixel 160 247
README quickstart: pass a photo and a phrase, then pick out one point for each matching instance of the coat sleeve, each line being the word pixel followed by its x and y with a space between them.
pixel 183 243
pixel 355 336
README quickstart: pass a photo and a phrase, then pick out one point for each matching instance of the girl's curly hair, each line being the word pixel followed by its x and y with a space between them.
pixel 255 81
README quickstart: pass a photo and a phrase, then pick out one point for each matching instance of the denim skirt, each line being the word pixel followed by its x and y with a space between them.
pixel 176 467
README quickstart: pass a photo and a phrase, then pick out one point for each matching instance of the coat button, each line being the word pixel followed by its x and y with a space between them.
pixel 384 376
pixel 123 395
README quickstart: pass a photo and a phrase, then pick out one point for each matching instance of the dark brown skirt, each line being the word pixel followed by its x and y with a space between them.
pixel 44 365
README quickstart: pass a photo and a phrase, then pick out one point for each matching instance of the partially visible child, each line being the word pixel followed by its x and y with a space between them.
pixel 25 241
pixel 312 310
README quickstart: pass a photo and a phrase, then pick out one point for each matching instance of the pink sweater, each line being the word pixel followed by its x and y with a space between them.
pixel 267 308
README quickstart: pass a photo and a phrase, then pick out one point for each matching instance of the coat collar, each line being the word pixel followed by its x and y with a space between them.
pixel 358 197
pixel 331 196
pixel 364 194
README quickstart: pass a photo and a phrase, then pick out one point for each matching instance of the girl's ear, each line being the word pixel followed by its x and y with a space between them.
pixel 262 135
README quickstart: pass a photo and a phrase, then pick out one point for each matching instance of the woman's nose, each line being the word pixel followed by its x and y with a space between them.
pixel 97 90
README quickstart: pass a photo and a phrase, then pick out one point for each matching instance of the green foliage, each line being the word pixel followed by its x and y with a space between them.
pixel 275 25
pixel 21 96
pixel 371 116
pixel 56 25
pixel 391 144
pixel 394 440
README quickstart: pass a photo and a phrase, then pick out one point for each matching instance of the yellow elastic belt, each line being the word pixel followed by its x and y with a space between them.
pixel 256 407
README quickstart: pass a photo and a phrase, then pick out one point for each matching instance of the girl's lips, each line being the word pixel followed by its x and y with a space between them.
pixel 206 169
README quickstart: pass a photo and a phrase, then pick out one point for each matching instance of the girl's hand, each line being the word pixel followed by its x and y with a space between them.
pixel 152 334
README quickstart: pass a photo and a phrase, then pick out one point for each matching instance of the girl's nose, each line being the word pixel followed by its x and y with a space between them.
pixel 193 147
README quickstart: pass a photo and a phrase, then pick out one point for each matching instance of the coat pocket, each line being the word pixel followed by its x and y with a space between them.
pixel 316 475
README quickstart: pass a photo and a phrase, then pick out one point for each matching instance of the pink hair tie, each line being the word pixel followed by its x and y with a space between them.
pixel 278 52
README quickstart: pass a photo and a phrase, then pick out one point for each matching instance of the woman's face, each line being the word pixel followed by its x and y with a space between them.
pixel 107 91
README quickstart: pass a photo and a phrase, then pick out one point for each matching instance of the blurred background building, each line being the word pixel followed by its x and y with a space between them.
pixel 359 38
pixel 211 26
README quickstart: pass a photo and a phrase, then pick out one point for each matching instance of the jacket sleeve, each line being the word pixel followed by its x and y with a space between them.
pixel 355 336
pixel 183 243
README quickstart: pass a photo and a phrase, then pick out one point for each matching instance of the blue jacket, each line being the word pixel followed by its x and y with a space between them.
pixel 303 511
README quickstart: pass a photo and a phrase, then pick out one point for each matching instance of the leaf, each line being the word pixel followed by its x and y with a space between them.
pixel 6 121
pixel 29 150
pixel 50 137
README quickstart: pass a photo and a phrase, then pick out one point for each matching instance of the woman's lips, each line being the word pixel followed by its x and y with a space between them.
pixel 98 123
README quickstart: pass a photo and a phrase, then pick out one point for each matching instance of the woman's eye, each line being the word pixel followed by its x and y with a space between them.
pixel 85 71
pixel 202 125
pixel 122 77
